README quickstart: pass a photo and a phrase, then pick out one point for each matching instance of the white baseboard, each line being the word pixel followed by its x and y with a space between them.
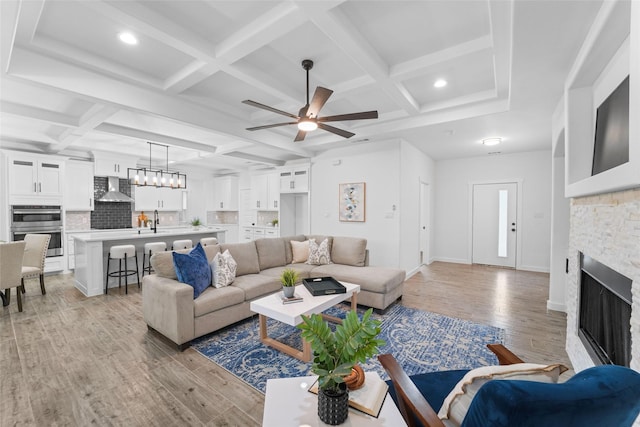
pixel 412 272
pixel 556 306
pixel 532 268
pixel 452 260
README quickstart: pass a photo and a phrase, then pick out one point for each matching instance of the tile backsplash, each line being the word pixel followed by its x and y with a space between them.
pixel 77 221
pixel 108 215
pixel 222 217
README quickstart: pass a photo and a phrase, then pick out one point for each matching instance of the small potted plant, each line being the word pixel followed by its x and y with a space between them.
pixel 195 223
pixel 334 355
pixel 274 222
pixel 289 278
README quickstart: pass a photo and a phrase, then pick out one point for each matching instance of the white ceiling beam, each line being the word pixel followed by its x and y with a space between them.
pixel 338 28
pixel 138 15
pixel 416 67
pixel 124 95
pixel 38 114
pixel 501 15
pixel 92 118
pixel 275 23
pixel 154 137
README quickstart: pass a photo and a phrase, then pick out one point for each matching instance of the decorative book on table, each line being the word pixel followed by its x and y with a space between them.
pixel 369 398
pixel 291 300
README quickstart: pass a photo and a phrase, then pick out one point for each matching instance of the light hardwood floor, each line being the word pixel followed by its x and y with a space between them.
pixel 71 360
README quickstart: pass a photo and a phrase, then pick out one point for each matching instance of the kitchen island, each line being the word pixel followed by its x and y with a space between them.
pixel 92 248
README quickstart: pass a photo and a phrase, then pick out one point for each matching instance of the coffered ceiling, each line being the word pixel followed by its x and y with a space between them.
pixel 69 86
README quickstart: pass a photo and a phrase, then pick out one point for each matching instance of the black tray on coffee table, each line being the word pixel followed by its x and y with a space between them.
pixel 324 286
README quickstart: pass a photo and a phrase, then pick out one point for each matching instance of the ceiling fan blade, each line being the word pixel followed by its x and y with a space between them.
pixel 272 126
pixel 337 131
pixel 266 107
pixel 320 97
pixel 352 116
pixel 300 136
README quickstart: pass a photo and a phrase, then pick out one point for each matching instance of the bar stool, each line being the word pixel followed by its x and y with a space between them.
pixel 121 252
pixel 208 241
pixel 181 244
pixel 150 249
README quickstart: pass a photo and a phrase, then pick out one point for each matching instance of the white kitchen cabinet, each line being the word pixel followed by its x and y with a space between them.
pixel 71 252
pixel 154 198
pixel 273 192
pixel 265 192
pixel 272 232
pixel 225 193
pixel 110 165
pixel 248 234
pixel 35 179
pixel 294 179
pixel 78 194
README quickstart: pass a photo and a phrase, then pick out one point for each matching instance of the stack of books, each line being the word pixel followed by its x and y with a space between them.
pixel 291 300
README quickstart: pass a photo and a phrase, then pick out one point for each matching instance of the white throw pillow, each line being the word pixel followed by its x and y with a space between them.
pixel 300 251
pixel 319 254
pixel 455 405
pixel 224 272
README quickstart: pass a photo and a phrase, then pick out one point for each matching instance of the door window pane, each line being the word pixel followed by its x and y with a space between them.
pixel 503 198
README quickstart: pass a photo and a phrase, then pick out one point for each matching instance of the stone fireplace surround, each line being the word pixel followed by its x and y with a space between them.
pixel 607 228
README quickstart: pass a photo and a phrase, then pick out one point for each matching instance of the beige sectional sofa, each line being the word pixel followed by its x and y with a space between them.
pixel 169 308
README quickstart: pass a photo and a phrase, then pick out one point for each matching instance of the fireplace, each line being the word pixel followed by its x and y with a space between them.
pixel 605 313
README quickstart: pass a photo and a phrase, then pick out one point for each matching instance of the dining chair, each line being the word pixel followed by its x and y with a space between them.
pixel 34 257
pixel 11 255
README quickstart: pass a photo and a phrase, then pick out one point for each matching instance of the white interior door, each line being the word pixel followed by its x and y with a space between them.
pixel 494 225
pixel 424 223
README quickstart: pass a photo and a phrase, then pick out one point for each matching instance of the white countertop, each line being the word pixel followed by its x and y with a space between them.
pixel 145 233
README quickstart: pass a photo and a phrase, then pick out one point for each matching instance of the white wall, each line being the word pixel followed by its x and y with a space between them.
pixel 415 167
pixel 452 239
pixel 378 165
pixel 392 171
pixel 559 239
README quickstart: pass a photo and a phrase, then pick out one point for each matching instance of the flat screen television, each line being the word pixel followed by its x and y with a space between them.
pixel 611 145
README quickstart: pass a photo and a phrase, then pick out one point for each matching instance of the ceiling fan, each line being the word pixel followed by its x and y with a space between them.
pixel 307 118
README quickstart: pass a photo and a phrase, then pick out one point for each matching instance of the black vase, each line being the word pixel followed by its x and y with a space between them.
pixel 333 408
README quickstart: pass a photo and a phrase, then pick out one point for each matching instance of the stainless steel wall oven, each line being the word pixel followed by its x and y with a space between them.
pixel 38 220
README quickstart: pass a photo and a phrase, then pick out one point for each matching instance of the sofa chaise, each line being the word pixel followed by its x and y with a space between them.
pixel 170 309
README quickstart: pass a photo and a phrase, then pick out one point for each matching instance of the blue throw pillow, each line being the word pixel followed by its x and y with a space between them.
pixel 193 269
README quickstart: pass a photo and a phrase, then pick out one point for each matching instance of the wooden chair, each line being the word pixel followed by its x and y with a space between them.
pixel 410 400
pixel 34 258
pixel 11 255
pixel 602 395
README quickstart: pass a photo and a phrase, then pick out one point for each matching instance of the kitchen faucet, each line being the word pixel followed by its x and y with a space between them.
pixel 156 221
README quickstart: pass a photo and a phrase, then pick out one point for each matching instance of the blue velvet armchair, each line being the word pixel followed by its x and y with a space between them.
pixel 603 396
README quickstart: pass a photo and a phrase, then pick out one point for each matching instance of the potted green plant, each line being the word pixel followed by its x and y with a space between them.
pixel 289 277
pixel 274 222
pixel 195 223
pixel 334 355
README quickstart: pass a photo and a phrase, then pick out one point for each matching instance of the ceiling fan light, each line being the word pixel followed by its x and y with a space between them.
pixel 307 125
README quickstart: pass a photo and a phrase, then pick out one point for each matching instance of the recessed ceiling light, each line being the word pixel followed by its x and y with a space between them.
pixel 492 141
pixel 440 83
pixel 128 38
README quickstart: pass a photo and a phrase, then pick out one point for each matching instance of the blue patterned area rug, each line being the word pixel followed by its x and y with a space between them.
pixel 419 340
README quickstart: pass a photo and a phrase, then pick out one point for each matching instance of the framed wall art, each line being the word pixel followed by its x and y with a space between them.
pixel 352 202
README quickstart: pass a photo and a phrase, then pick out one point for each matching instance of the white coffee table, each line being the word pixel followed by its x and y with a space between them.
pixel 272 307
pixel 287 403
